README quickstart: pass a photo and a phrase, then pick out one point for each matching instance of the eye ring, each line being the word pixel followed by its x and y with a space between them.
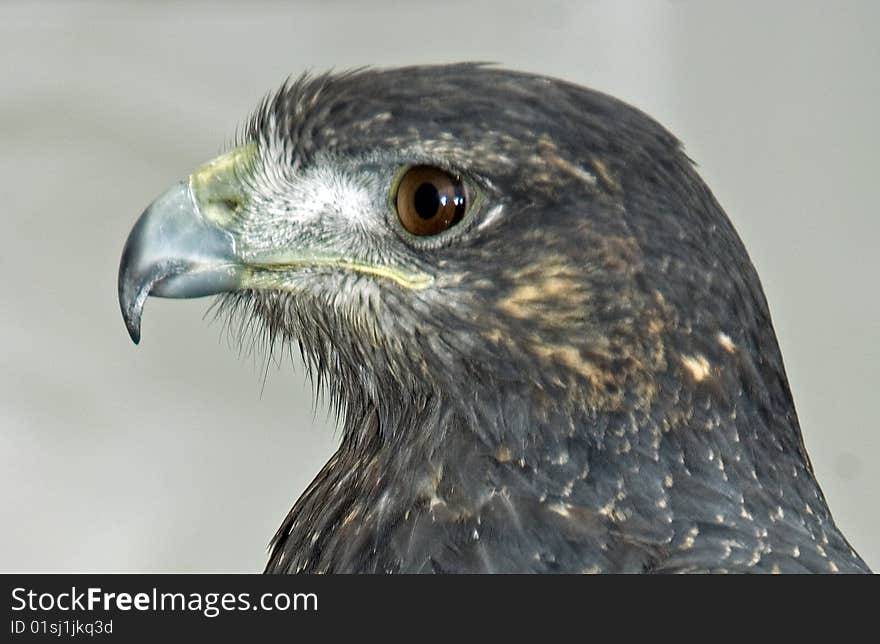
pixel 429 200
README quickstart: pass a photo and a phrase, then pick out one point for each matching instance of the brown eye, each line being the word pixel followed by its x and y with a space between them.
pixel 430 200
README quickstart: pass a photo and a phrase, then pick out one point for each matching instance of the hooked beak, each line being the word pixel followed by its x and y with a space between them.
pixel 178 248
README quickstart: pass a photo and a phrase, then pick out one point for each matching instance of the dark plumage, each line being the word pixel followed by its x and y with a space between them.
pixel 581 375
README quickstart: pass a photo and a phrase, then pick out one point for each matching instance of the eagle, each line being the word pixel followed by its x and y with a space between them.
pixel 546 345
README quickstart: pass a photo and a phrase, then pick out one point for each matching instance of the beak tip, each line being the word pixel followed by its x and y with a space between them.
pixel 134 332
pixel 131 301
pixel 131 314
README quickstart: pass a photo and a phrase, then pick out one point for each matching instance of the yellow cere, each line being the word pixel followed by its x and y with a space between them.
pixel 216 187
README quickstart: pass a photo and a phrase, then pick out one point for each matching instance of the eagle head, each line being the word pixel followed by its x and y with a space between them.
pixel 532 315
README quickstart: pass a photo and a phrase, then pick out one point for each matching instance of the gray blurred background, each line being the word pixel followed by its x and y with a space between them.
pixel 174 456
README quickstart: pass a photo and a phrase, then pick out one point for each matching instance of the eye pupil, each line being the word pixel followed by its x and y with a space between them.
pixel 427 200
pixel 430 200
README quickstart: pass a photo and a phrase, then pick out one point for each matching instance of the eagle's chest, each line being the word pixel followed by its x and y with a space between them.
pixel 371 516
pixel 357 517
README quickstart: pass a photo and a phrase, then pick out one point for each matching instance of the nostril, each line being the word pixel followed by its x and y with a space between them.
pixel 232 204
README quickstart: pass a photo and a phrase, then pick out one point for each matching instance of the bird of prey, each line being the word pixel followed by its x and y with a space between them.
pixel 546 344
